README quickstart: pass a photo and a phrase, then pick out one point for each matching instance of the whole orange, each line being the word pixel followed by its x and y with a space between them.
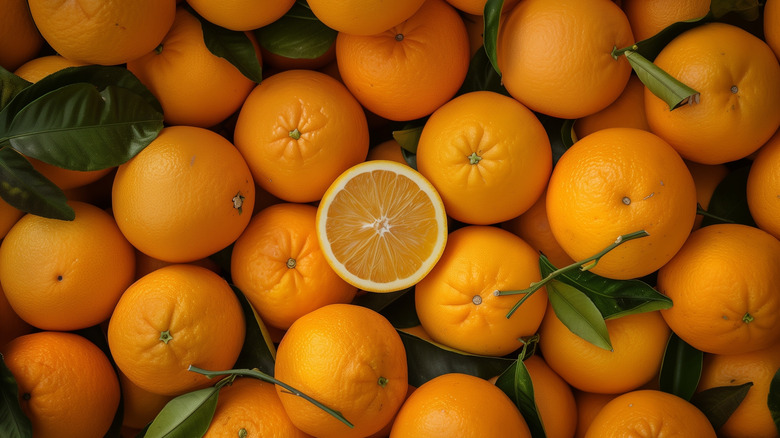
pixel 66 275
pixel 554 399
pixel 647 18
pixel 638 345
pixel 488 156
pixel 106 32
pixel 241 14
pixel 456 302
pixel 723 285
pixel 278 264
pixel 298 130
pixel 185 196
pixel 556 57
pixel 618 181
pixel 20 40
pixel 351 359
pixel 408 70
pixel 738 109
pixel 174 317
pixel 67 386
pixel 363 17
pixel 459 405
pixel 763 187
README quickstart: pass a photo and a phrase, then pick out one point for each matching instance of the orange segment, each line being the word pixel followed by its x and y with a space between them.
pixel 382 226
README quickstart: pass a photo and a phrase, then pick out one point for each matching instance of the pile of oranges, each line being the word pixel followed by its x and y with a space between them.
pixel 293 207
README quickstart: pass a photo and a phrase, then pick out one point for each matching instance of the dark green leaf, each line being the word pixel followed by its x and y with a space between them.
pixel 378 301
pixel 747 9
pixel 427 360
pixel 729 199
pixel 492 17
pixel 720 402
pixel 28 190
pixel 235 46
pixel 401 312
pixel 661 83
pixel 773 400
pixel 298 34
pixel 408 138
pixel 258 350
pixel 186 416
pixel 613 298
pixel 13 422
pixel 559 132
pixel 481 76
pixel 516 383
pixel 80 127
pixel 681 368
pixel 10 86
pixel 578 313
pixel 410 158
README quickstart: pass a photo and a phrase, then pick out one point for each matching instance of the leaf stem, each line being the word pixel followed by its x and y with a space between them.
pixel 266 378
pixel 705 213
pixel 584 265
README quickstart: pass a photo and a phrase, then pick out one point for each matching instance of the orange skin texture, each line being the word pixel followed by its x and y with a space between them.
pixel 407 71
pixel 66 275
pixel 351 359
pixel 554 399
pixel 588 406
pixel 723 283
pixel 650 413
pixel 242 15
pixel 627 111
pixel 458 405
pixel 332 127
pixel 456 303
pixel 363 17
pixel 738 110
pixel 647 18
pixel 763 187
pixel 538 34
pixel 198 310
pixel 67 386
pixel 488 156
pixel 140 406
pixel 260 265
pixel 618 181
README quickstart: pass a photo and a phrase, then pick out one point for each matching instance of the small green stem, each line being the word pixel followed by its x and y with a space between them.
pixel 266 378
pixel 583 265
pixel 705 213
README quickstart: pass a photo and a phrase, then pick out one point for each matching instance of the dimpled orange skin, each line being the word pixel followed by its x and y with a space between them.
pixel 363 17
pixel 763 187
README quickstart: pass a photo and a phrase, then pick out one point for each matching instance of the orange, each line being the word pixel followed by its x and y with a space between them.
pixel 11 325
pixel 459 405
pixel 381 226
pixel 106 32
pixel 145 264
pixel 533 227
pixel 723 283
pixel 185 196
pixel 251 408
pixel 618 181
pixel 456 303
pixel 752 416
pixel 488 156
pixel 771 26
pixel 588 406
pixel 9 215
pixel 38 68
pixel 627 111
pixel 278 264
pixel 650 413
pixel 363 17
pixel 387 150
pixel 174 317
pixel 67 386
pixel 538 34
pixel 406 71
pixel 763 187
pixel 647 18
pixel 349 358
pixel 638 345
pixel 66 275
pixel 139 406
pixel 241 14
pixel 20 40
pixel 738 78
pixel 706 178
pixel 554 399
pixel 477 7
pixel 298 130
pixel 194 86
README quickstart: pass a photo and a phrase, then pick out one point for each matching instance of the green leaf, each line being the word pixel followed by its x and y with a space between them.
pixel 10 86
pixel 186 416
pixel 720 402
pixel 401 311
pixel 235 46
pixel 379 301
pixel 28 190
pixel 492 17
pixel 747 9
pixel 578 313
pixel 298 34
pixel 481 76
pixel 410 158
pixel 661 83
pixel 427 359
pixel 773 400
pixel 681 368
pixel 258 350
pixel 613 298
pixel 409 137
pixel 516 383
pixel 559 132
pixel 729 199
pixel 13 422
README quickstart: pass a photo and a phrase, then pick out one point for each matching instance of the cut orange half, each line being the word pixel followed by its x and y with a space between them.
pixel 382 226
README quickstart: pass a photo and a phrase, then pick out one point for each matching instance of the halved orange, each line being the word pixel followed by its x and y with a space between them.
pixel 382 226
